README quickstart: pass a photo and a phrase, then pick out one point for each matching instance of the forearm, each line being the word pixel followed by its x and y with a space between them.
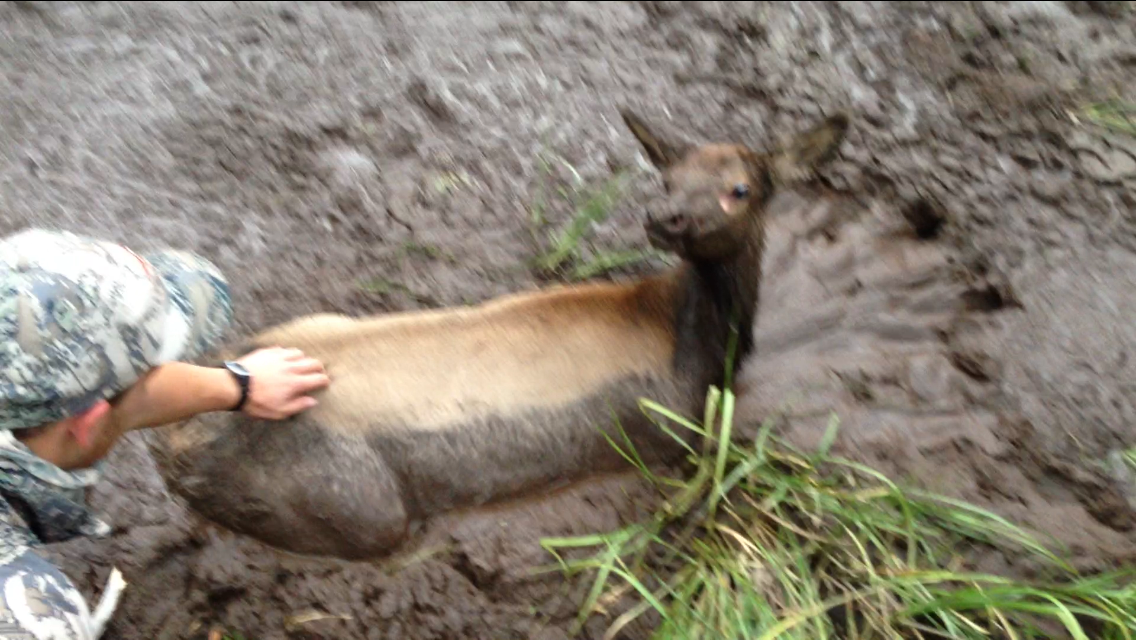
pixel 174 392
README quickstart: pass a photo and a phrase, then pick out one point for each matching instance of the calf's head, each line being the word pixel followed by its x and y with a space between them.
pixel 713 194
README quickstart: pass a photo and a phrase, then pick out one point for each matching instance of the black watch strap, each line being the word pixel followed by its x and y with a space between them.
pixel 243 378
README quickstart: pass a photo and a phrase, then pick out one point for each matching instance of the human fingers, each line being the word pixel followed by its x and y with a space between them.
pixel 292 354
pixel 306 365
pixel 292 407
pixel 311 382
pixel 303 403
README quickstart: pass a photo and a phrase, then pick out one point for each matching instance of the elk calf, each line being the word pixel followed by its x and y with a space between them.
pixel 438 410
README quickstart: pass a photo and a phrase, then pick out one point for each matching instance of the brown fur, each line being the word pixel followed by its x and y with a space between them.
pixel 420 382
pixel 438 410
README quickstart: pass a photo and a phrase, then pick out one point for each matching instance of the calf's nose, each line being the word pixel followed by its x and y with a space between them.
pixel 675 223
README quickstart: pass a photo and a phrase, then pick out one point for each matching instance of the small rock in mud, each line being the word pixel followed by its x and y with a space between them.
pixel 1109 167
pixel 347 167
pixel 432 102
pixel 931 378
pixel 1050 187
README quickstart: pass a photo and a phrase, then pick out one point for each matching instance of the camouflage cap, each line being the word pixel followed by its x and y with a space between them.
pixel 83 319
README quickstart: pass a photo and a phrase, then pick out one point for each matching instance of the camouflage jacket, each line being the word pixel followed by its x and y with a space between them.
pixel 40 503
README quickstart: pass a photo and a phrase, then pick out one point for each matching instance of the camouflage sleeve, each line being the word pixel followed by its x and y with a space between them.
pixel 39 602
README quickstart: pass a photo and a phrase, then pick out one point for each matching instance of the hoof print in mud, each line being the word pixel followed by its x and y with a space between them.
pixel 925 217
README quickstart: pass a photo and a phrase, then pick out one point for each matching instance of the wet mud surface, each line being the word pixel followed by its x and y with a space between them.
pixel 960 287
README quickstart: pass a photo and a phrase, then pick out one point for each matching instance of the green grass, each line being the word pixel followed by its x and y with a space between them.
pixel 766 541
pixel 1115 115
pixel 451 181
pixel 1129 456
pixel 563 253
pixel 383 286
pixel 429 251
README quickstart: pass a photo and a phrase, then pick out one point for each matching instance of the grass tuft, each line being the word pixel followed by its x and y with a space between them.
pixel 564 253
pixel 766 541
pixel 1115 115
pixel 1129 457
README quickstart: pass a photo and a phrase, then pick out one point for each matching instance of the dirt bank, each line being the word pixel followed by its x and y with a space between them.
pixel 962 291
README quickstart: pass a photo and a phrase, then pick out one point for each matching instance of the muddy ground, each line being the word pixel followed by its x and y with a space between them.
pixel 961 289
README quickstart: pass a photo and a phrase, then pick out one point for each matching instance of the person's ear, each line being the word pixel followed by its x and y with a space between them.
pixel 83 427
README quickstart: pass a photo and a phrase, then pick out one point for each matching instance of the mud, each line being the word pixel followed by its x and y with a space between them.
pixel 959 287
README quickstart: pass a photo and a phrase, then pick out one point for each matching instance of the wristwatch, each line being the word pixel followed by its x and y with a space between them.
pixel 243 378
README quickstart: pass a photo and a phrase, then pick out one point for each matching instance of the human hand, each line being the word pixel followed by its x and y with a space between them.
pixel 281 380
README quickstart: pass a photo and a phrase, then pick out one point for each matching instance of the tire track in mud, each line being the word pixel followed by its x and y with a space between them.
pixel 959 289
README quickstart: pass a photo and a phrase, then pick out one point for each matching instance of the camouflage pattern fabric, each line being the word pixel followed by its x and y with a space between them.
pixel 80 320
pixel 37 601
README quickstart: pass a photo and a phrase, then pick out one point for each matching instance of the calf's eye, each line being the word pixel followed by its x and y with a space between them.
pixel 741 191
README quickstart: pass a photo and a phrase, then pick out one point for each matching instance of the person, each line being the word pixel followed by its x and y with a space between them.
pixel 95 342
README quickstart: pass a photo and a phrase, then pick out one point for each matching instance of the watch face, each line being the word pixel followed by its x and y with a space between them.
pixel 237 368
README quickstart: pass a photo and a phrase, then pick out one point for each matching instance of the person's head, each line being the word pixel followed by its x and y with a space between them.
pixel 81 320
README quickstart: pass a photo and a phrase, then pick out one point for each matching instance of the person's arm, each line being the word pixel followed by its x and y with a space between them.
pixel 281 380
